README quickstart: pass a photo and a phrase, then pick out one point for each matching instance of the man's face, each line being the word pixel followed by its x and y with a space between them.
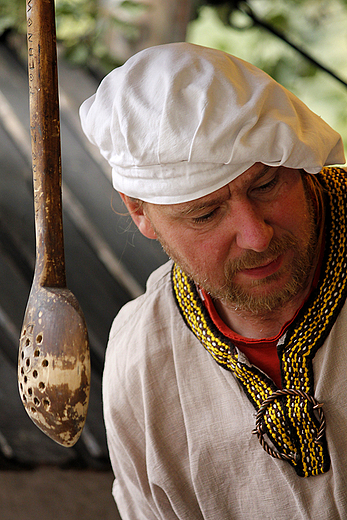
pixel 251 244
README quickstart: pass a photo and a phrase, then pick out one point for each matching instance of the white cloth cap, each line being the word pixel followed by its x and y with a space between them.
pixel 179 121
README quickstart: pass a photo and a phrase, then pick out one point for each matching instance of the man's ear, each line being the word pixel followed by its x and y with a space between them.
pixel 139 216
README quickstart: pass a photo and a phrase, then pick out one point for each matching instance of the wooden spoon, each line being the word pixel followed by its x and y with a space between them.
pixel 54 360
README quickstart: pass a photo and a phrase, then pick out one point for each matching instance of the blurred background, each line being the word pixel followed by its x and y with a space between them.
pixel 301 43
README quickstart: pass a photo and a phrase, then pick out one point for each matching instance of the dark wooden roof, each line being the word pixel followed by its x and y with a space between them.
pixel 107 261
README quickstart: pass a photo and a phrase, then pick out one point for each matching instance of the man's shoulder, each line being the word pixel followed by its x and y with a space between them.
pixel 149 312
pixel 140 339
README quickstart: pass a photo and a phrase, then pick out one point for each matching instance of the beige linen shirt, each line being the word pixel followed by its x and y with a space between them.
pixel 179 426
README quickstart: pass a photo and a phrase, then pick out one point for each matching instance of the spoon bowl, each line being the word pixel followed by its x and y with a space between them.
pixel 54 364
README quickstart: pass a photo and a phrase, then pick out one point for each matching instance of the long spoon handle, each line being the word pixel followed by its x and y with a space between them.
pixel 45 143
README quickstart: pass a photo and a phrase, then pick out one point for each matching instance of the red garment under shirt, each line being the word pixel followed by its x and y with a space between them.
pixel 261 352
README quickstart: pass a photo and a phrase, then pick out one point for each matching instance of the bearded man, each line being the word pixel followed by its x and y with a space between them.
pixel 224 386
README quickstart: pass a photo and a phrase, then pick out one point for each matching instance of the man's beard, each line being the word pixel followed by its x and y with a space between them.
pixel 243 298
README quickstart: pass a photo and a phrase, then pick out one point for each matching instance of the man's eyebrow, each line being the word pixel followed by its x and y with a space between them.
pixel 262 172
pixel 200 206
pixel 257 177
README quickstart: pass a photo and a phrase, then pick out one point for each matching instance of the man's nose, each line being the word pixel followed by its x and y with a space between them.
pixel 252 230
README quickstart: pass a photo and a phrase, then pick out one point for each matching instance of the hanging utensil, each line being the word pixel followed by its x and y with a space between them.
pixel 54 360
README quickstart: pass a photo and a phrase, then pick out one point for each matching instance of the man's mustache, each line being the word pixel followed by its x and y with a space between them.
pixel 253 259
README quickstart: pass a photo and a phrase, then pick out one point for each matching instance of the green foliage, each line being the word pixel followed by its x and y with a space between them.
pixel 79 27
pixel 134 7
pixel 76 22
pixel 12 16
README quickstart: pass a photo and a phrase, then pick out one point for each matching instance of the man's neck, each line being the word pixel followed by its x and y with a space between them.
pixel 260 325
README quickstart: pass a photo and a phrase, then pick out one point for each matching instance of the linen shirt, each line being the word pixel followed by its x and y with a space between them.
pixel 179 426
